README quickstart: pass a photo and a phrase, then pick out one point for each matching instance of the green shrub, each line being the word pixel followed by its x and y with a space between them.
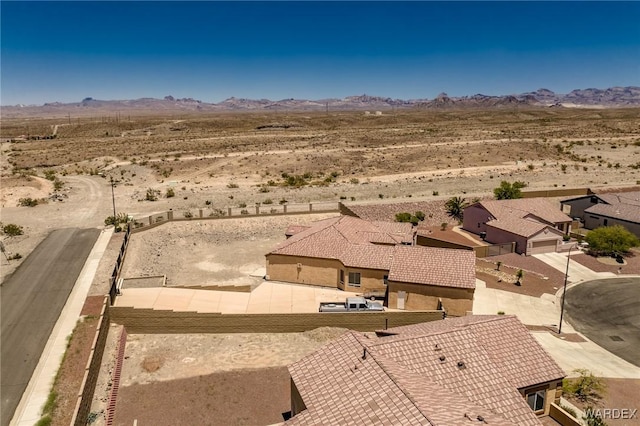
pixel 170 193
pixel 586 388
pixel 50 174
pixel 12 230
pixel 27 202
pixel 611 240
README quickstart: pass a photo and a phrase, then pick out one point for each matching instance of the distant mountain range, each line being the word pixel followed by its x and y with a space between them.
pixel 601 98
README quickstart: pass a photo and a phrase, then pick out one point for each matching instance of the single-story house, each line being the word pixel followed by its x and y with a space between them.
pixel 535 225
pixel 595 210
pixel 458 371
pixel 356 255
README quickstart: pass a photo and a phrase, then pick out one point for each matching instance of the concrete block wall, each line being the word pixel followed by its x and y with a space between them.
pixel 149 321
pixel 92 369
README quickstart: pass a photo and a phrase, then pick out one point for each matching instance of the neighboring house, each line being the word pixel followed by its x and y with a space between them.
pixel 356 255
pixel 459 371
pixel 535 225
pixel 595 210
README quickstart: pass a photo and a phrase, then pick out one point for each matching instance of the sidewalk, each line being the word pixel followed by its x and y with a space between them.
pixel 34 397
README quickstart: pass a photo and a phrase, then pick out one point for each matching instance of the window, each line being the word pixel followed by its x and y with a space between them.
pixel 354 279
pixel 594 200
pixel 341 276
pixel 385 279
pixel 536 400
pixel 606 222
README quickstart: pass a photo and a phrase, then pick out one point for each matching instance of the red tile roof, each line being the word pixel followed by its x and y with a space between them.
pixel 434 266
pixel 357 243
pixel 541 208
pixel 416 377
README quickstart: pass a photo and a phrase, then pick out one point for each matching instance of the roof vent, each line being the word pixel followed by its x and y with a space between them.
pixel 442 358
pixel 461 365
pixel 437 347
pixel 480 419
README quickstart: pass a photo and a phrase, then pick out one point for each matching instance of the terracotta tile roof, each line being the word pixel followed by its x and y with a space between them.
pixel 294 229
pixel 356 243
pixel 434 266
pixel 407 379
pixel 523 227
pixel 541 208
pixel 507 341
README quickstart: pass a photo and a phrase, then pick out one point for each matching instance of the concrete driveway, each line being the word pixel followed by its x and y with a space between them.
pixel 577 272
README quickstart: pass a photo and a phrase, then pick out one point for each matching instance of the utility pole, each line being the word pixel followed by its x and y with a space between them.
pixel 113 199
pixel 564 291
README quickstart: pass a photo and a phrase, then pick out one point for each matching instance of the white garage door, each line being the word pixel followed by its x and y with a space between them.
pixel 546 246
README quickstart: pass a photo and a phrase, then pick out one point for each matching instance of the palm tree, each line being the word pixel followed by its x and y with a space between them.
pixel 455 207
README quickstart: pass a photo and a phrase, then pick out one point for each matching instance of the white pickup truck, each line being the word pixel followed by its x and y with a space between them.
pixel 352 304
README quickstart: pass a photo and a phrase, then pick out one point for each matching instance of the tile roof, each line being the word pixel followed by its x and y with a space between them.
pixel 620 205
pixel 377 245
pixel 523 227
pixel 294 229
pixel 626 212
pixel 434 266
pixel 414 377
pixel 541 208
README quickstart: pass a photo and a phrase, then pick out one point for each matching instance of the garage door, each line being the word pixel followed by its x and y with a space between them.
pixel 546 246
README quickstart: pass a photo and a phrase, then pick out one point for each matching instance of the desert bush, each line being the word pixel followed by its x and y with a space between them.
pixel 170 193
pixel 244 211
pixel 119 218
pixel 12 230
pixel 232 185
pixel 242 205
pixel 27 202
pixel 508 191
pixel 152 194
pixel 263 189
pixel 57 184
pixel 586 388
pixel 50 174
pixel 187 214
pixel 268 201
pixel 354 181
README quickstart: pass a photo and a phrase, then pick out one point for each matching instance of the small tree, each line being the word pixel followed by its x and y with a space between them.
pixel 403 217
pixel 519 275
pixel 12 230
pixel 509 191
pixel 611 240
pixel 586 388
pixel 455 207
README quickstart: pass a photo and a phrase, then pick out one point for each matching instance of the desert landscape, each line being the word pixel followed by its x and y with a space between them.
pixel 63 173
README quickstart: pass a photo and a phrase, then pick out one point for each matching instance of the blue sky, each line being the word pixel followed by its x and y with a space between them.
pixel 66 51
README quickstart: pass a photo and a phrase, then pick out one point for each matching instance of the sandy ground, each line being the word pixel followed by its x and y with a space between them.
pixel 215 163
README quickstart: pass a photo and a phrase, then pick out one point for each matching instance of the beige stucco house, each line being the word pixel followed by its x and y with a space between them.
pixel 455 372
pixel 360 256
pixel 535 225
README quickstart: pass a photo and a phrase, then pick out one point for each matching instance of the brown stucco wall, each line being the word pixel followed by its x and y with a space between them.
pixel 303 270
pixel 455 301
pixel 593 221
pixel 150 321
pixel 322 272
pixel 499 236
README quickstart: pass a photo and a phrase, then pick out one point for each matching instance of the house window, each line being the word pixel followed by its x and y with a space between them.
pixel 606 222
pixel 385 279
pixel 536 400
pixel 354 279
pixel 341 276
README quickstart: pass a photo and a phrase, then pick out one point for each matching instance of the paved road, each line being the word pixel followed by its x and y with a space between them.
pixel 30 303
pixel 608 313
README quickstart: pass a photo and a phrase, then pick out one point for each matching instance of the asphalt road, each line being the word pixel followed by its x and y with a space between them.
pixel 30 303
pixel 608 313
